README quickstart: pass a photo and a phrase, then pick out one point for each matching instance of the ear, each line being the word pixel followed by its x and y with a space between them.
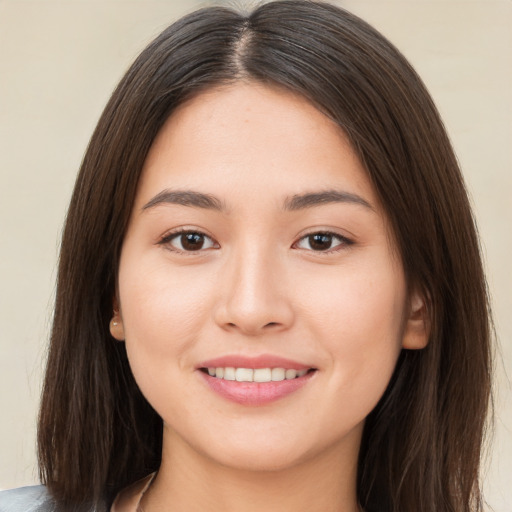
pixel 417 323
pixel 116 323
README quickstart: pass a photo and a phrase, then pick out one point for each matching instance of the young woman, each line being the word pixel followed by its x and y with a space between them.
pixel 270 292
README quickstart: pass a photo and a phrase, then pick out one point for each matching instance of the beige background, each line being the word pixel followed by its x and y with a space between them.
pixel 59 61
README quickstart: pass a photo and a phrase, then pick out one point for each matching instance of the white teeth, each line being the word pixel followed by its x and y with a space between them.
pixel 244 375
pixel 278 374
pixel 263 375
pixel 256 375
pixel 229 374
pixel 290 374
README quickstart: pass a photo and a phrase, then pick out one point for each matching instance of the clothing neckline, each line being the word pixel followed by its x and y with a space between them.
pixel 128 499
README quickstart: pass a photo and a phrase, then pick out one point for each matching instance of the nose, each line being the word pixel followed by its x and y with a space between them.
pixel 254 297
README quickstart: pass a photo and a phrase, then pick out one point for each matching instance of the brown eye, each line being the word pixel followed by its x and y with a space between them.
pixel 192 241
pixel 322 242
pixel 189 241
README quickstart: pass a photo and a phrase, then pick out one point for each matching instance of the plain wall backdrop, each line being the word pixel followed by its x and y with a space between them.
pixel 59 62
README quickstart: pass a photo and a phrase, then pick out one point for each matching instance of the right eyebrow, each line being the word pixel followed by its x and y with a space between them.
pixel 311 199
pixel 186 198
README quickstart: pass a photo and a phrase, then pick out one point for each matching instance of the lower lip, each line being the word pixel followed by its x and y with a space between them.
pixel 255 393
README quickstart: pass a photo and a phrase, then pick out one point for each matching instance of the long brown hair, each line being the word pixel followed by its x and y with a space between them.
pixel 422 443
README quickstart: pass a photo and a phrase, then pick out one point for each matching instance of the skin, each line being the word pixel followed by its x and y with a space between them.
pixel 258 287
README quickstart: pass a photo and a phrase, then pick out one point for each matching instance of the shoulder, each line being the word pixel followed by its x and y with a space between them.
pixel 26 499
pixel 36 498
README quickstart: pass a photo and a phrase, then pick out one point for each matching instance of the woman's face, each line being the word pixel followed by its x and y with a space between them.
pixel 257 245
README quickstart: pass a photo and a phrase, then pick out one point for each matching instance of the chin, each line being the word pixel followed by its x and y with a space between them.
pixel 265 451
pixel 258 459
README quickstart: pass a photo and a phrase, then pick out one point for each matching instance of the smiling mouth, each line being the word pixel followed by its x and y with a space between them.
pixel 257 374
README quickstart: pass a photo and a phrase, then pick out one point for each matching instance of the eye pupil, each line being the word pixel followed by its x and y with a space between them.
pixel 320 241
pixel 192 241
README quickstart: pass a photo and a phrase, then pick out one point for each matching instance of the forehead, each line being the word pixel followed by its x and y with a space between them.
pixel 265 138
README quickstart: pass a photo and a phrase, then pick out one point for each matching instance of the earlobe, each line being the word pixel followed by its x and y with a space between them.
pixel 116 323
pixel 417 325
pixel 116 327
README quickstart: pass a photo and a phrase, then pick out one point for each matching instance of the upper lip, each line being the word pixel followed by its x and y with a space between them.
pixel 261 361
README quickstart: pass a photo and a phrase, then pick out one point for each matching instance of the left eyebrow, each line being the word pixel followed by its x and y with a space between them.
pixel 311 199
pixel 186 198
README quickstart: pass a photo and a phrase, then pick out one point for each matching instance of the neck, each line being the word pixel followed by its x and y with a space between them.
pixel 191 482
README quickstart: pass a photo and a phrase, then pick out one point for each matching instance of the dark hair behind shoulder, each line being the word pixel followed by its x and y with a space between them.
pixel 422 443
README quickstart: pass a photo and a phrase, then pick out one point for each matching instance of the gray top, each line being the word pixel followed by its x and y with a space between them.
pixel 26 499
pixel 34 498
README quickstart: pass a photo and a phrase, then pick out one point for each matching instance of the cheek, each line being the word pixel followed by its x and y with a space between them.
pixel 357 315
pixel 162 316
pixel 156 296
pixel 362 303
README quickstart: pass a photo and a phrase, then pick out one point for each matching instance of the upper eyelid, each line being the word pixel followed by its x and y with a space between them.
pixel 168 235
pixel 345 240
pixel 324 232
pixel 320 231
pixel 180 230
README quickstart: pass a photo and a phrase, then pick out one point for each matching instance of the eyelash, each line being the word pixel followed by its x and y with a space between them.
pixel 169 237
pixel 344 241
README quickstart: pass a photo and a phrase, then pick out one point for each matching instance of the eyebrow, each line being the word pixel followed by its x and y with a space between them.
pixel 296 202
pixel 309 200
pixel 185 198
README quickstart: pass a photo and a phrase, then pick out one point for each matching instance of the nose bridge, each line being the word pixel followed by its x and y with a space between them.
pixel 255 298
